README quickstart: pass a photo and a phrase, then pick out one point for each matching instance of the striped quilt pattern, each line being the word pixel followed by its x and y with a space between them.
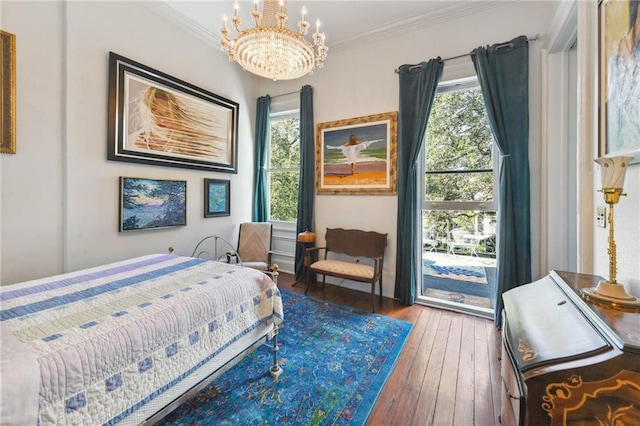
pixel 110 338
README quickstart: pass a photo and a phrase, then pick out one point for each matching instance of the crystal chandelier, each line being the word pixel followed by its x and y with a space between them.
pixel 270 49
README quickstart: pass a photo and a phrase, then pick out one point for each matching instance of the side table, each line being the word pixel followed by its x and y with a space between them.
pixel 306 240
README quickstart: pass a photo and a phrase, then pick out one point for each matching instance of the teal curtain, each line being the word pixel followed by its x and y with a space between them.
pixel 418 84
pixel 503 73
pixel 260 201
pixel 306 189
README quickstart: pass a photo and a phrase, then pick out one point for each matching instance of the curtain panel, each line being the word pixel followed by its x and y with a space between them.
pixel 306 191
pixel 503 74
pixel 260 202
pixel 418 84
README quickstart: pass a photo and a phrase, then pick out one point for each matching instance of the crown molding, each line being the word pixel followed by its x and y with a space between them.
pixel 172 15
pixel 447 13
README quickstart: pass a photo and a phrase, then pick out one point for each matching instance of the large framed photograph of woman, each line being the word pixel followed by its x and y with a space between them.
pixel 357 155
pixel 158 119
pixel 619 27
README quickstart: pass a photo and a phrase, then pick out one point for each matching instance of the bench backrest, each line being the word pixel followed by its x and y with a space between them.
pixel 356 243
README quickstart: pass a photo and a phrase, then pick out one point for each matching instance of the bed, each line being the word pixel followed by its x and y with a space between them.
pixel 128 341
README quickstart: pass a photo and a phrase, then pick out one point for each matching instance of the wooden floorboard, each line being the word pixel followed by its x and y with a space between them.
pixel 436 341
pixel 448 372
pixel 446 397
pixel 465 392
pixel 482 407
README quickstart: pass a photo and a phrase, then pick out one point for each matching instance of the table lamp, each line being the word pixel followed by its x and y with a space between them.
pixel 612 170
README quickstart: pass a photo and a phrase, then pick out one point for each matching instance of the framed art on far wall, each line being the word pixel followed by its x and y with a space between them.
pixel 8 94
pixel 357 155
pixel 217 197
pixel 152 203
pixel 619 24
pixel 158 119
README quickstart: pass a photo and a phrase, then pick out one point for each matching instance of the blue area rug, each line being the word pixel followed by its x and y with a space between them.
pixel 336 360
pixel 442 269
pixel 462 286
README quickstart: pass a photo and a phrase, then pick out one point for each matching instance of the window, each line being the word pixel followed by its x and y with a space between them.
pixel 283 170
pixel 459 190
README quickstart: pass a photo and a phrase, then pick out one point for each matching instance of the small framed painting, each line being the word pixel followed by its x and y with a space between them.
pixel 217 197
pixel 357 155
pixel 152 203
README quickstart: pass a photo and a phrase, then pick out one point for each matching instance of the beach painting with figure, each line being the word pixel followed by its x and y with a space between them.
pixel 620 73
pixel 357 155
pixel 157 119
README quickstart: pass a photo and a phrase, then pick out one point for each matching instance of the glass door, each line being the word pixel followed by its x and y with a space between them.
pixel 458 204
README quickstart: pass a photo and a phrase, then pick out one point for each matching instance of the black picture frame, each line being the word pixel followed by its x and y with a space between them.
pixel 157 119
pixel 152 203
pixel 217 197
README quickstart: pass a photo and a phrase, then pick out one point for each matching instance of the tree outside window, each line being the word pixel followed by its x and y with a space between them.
pixel 459 163
pixel 284 167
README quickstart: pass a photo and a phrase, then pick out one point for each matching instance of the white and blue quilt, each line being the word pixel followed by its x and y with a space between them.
pixel 99 343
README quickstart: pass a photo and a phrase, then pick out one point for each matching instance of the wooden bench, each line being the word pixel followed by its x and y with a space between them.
pixel 356 244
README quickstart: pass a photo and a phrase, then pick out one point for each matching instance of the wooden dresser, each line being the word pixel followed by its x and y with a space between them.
pixel 567 360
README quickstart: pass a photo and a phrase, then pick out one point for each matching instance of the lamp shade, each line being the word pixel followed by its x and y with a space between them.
pixel 612 170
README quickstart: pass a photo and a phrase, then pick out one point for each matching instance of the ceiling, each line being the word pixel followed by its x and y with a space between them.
pixel 345 23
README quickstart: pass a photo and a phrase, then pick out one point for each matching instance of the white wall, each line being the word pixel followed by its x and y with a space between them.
pixel 627 211
pixel 361 81
pixel 32 179
pixel 59 192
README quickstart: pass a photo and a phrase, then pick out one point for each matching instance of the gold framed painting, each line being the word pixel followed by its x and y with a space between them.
pixel 357 155
pixel 8 93
pixel 619 26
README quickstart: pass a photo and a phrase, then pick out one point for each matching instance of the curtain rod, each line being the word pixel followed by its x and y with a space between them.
pixel 285 94
pixel 498 46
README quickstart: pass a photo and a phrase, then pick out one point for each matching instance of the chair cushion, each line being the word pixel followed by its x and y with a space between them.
pixel 345 268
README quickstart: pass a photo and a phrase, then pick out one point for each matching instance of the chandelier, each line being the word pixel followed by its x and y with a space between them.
pixel 270 49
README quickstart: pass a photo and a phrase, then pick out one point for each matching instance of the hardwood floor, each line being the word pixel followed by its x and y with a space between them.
pixel 448 372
